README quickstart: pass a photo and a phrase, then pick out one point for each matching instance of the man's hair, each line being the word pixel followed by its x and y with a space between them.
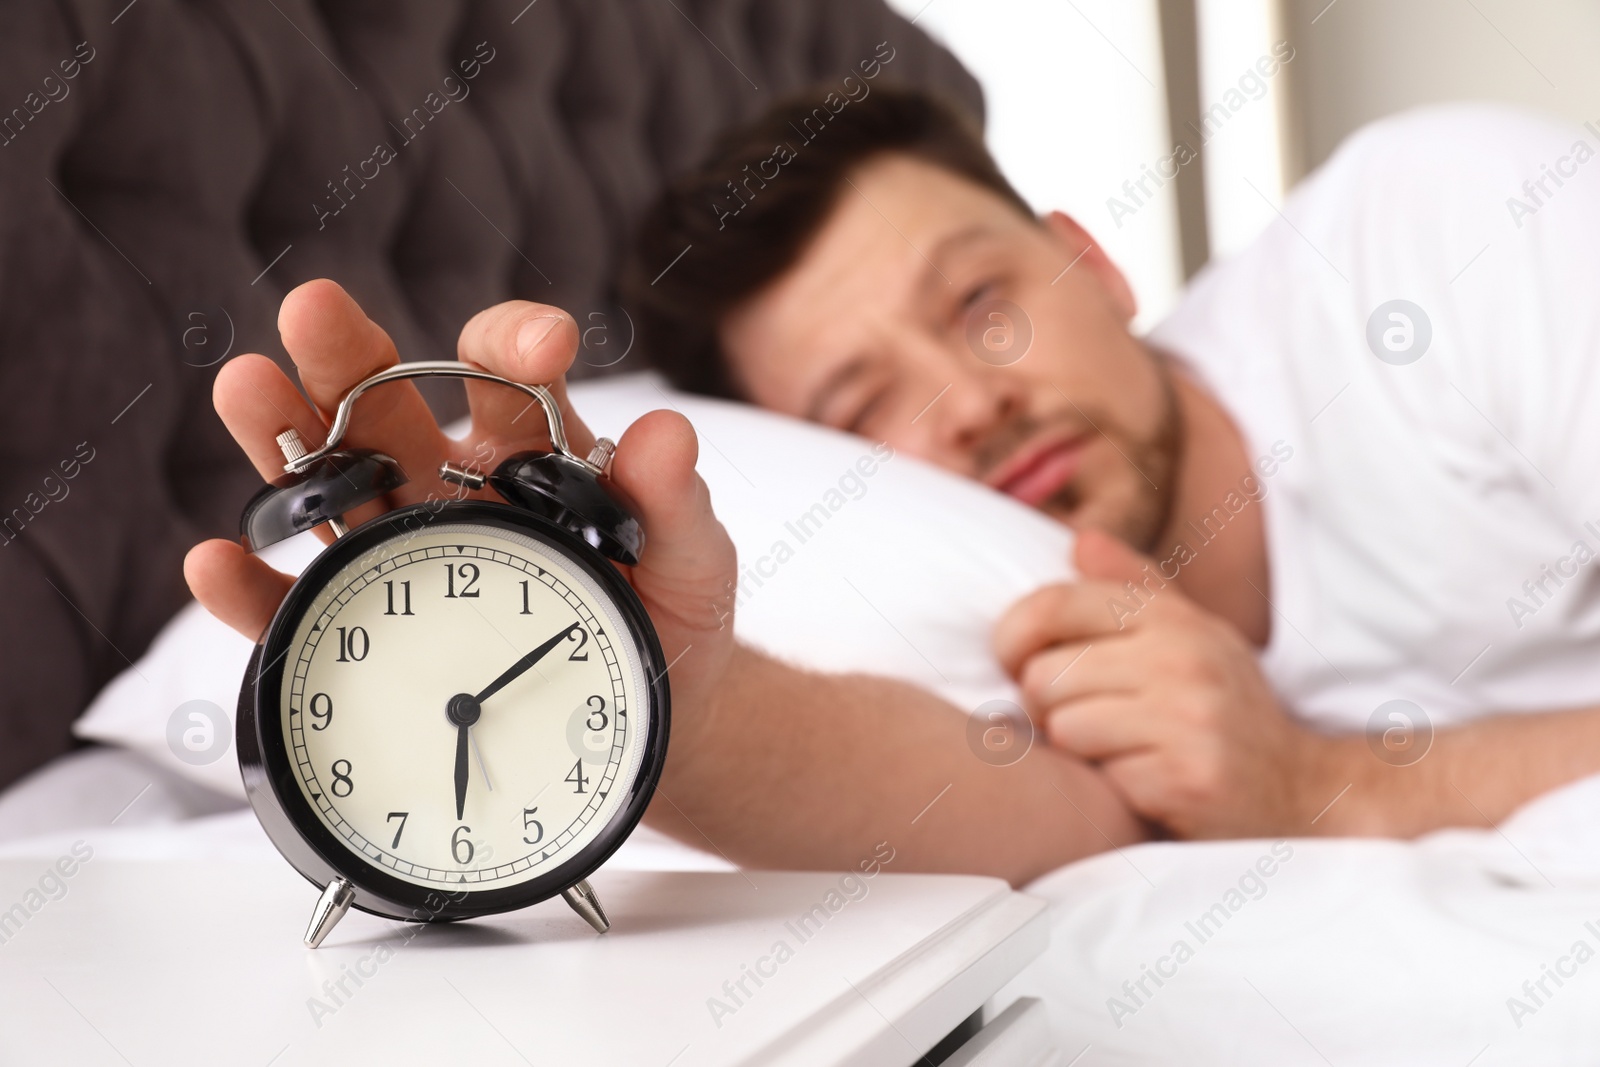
pixel 726 229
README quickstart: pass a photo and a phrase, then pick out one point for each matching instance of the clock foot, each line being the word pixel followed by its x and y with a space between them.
pixel 331 906
pixel 585 903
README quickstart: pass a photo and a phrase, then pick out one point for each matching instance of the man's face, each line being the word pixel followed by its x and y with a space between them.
pixel 888 326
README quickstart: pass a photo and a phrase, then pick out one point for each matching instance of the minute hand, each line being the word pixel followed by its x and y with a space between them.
pixel 524 663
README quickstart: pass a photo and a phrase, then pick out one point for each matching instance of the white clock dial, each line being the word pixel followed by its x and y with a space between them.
pixel 370 674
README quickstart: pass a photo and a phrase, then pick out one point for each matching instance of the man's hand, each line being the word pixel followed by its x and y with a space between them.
pixel 1164 696
pixel 688 563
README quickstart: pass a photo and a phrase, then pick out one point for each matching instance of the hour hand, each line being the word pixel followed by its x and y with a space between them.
pixel 462 711
pixel 516 670
pixel 462 733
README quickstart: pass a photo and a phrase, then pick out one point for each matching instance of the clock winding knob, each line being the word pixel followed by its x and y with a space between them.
pixel 600 455
pixel 292 444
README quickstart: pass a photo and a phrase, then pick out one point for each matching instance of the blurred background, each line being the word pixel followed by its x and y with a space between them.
pixel 1085 95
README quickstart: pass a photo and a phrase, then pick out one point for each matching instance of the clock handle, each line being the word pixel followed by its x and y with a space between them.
pixel 441 368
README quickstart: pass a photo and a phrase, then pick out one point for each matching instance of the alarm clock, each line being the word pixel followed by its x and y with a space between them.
pixel 461 706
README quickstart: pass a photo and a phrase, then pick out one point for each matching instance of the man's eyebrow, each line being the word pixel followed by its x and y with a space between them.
pixel 832 384
pixel 967 235
pixel 934 276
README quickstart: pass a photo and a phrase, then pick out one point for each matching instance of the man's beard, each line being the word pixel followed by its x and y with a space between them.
pixel 1155 458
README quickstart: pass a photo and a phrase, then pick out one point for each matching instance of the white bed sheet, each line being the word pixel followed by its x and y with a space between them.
pixel 1355 952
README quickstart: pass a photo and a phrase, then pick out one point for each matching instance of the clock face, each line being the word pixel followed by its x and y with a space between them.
pixel 464 707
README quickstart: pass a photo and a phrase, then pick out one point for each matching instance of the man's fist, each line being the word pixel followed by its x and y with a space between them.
pixel 1123 670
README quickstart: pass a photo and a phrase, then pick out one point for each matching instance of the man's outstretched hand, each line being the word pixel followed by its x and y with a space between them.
pixel 1164 696
pixel 688 563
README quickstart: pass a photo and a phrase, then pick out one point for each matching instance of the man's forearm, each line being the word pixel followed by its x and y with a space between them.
pixel 1472 775
pixel 791 769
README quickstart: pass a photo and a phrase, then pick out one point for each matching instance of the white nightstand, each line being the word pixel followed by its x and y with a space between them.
pixel 180 961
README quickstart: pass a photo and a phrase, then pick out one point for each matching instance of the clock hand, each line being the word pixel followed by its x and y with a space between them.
pixel 523 664
pixel 461 770
pixel 462 711
pixel 483 768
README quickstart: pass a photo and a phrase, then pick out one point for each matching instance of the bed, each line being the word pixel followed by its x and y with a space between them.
pixel 1463 946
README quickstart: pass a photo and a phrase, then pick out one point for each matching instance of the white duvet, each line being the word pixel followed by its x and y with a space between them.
pixel 1476 947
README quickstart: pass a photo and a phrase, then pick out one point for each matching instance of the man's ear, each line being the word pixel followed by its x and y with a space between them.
pixel 1077 245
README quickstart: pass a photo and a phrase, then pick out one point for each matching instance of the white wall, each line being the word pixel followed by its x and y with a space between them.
pixel 1241 40
pixel 1077 107
pixel 1362 59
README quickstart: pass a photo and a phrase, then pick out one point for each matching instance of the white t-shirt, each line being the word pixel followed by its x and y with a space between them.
pixel 1430 536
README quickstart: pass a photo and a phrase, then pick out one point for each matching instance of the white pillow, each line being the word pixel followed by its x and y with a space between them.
pixel 849 562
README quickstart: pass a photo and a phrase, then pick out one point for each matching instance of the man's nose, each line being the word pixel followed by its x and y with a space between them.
pixel 980 399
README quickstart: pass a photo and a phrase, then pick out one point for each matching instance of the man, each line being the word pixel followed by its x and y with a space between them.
pixel 838 280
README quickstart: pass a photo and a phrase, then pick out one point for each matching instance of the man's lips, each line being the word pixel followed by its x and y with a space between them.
pixel 1040 468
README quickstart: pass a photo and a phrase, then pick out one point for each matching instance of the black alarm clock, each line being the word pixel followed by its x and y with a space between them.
pixel 461 707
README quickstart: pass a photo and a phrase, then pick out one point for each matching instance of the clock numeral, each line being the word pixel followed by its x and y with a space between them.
pixel 577 777
pixel 353 645
pixel 405 599
pixel 469 578
pixel 457 843
pixel 582 635
pixel 525 610
pixel 341 779
pixel 402 816
pixel 530 823
pixel 321 708
pixel 599 704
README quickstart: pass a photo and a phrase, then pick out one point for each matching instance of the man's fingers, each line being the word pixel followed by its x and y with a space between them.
pixel 529 343
pixel 1117 589
pixel 687 554
pixel 1064 613
pixel 1143 779
pixel 236 587
pixel 1101 728
pixel 257 402
pixel 334 346
pixel 1080 669
pixel 1102 557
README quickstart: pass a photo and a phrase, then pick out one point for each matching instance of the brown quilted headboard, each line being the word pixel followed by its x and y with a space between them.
pixel 169 168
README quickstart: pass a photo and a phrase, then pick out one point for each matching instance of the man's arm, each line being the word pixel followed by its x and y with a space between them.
pixel 1472 775
pixel 789 768
pixel 1170 704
